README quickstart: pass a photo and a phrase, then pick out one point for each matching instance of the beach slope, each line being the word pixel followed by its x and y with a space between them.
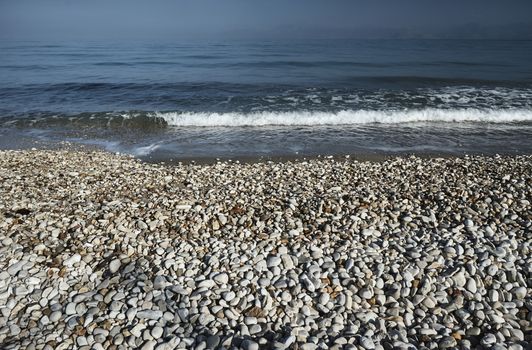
pixel 103 251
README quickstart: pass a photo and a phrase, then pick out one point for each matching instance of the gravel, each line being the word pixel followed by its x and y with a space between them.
pixel 102 251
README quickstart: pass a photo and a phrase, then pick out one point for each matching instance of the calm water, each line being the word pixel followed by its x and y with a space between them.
pixel 187 100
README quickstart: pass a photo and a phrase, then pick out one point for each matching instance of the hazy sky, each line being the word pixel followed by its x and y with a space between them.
pixel 264 19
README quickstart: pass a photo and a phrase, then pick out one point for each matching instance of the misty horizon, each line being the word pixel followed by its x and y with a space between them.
pixel 274 20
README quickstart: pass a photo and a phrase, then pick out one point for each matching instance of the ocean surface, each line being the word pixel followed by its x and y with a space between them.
pixel 268 99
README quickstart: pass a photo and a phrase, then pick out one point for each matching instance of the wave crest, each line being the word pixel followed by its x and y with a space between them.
pixel 345 117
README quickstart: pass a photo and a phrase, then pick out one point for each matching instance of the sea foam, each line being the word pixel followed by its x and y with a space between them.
pixel 345 117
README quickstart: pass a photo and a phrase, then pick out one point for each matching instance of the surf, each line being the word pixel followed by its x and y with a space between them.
pixel 344 117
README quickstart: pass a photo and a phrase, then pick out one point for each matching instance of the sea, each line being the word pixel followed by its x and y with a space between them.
pixel 268 99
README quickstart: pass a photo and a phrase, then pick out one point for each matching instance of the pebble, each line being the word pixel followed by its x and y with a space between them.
pixel 114 265
pixel 273 261
pixel 367 343
pixel 249 345
pixel 459 279
pixel 488 339
pixel 229 296
pixel 447 342
pixel 213 341
pixel 471 285
pixel 221 278
pixel 366 293
pixel 71 261
pixel 520 293
pixel 149 345
pixel 157 332
pixel 149 314
pixel 313 254
pixel 15 267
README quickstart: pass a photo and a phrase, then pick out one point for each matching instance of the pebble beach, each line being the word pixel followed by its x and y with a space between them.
pixel 103 251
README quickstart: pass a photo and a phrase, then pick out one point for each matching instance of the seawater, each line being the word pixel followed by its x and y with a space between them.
pixel 293 98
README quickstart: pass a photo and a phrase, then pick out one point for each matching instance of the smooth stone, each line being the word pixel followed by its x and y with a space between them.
pixel 229 296
pixel 367 343
pixel 212 341
pixel 150 314
pixel 249 345
pixel 493 295
pixel 13 269
pixel 74 259
pixel 447 342
pixel 459 279
pixel 137 329
pixel 157 332
pixel 206 284
pixel 55 316
pixel 82 341
pixel 118 339
pixel 515 347
pixel 14 330
pixel 287 262
pixel 520 292
pixel 366 293
pixel 273 261
pixel 70 309
pixel 324 298
pixel 149 345
pixel 114 265
pixel 254 329
pixel 517 334
pixel 488 339
pixel 221 278
pixel 471 285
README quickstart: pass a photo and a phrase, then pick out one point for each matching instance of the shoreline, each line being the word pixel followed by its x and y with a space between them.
pixel 31 145
pixel 107 251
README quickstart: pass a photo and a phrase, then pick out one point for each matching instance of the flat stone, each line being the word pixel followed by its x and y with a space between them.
pixel 288 263
pixel 150 314
pixel 160 282
pixel 273 261
pixel 221 278
pixel 15 268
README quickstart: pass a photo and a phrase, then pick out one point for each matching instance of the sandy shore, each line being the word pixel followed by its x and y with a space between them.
pixel 100 251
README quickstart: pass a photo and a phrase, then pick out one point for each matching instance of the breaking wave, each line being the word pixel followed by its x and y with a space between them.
pixel 144 120
pixel 346 117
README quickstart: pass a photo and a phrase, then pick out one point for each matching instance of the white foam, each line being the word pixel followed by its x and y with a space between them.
pixel 145 150
pixel 346 117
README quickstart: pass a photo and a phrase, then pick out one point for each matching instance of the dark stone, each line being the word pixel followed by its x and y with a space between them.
pixel 213 341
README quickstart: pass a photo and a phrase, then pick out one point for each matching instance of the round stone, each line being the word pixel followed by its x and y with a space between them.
pixel 157 332
pixel 114 265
